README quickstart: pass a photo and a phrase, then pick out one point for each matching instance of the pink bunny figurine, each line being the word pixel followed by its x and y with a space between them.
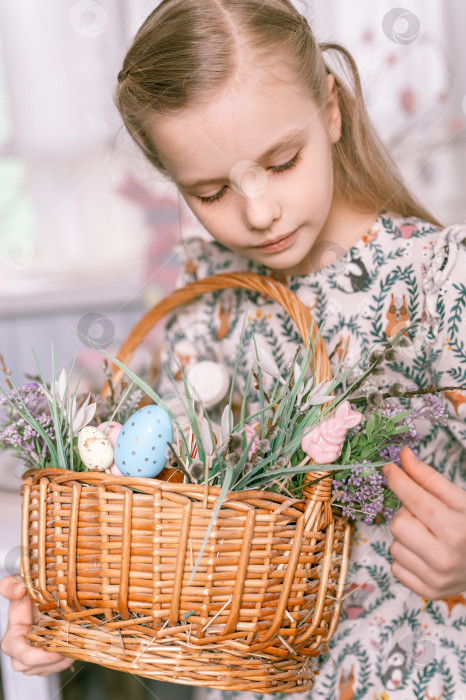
pixel 325 442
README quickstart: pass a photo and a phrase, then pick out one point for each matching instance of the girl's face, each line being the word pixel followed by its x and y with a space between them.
pixel 255 167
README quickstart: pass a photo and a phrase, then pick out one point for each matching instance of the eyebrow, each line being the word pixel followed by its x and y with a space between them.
pixel 284 141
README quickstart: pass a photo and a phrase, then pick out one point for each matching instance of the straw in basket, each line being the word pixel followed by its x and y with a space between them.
pixel 108 559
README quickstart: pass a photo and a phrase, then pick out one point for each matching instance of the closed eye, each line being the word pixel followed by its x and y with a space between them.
pixel 287 166
pixel 275 169
pixel 213 198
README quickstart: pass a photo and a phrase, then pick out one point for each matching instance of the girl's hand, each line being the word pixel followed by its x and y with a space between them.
pixel 24 657
pixel 429 548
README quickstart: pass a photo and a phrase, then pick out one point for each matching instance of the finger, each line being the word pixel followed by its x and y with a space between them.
pixel 16 645
pixel 431 510
pixel 410 561
pixel 415 536
pixel 65 663
pixel 11 588
pixel 15 642
pixel 22 609
pixel 415 584
pixel 21 612
pixel 432 481
pixel 47 670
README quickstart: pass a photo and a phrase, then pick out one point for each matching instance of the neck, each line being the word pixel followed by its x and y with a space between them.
pixel 343 228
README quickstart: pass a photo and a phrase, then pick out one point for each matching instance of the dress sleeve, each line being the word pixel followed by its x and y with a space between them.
pixel 445 309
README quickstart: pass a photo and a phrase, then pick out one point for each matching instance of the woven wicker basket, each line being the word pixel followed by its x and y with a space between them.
pixel 108 559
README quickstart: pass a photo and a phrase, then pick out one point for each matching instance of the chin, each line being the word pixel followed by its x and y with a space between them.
pixel 291 267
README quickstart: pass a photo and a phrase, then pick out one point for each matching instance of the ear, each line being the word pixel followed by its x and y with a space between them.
pixel 349 417
pixel 333 110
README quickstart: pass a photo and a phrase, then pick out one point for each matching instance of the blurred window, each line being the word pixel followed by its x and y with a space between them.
pixel 16 212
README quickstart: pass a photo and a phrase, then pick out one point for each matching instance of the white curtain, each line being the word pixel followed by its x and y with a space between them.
pixel 61 61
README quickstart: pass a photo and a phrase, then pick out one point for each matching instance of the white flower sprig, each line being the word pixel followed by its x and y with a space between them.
pixel 266 361
pixel 65 398
pixel 313 395
pixel 226 427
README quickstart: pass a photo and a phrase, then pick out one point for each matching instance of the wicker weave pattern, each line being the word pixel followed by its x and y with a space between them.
pixel 108 561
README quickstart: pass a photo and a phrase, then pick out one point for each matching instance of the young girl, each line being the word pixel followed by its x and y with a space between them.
pixel 275 155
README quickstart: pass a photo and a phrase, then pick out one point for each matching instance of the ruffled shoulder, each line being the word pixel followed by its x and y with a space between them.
pixel 445 270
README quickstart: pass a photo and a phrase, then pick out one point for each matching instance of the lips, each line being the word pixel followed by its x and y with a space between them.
pixel 278 240
pixel 280 243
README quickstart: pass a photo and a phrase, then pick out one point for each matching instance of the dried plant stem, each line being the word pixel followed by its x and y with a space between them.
pixel 427 390
pixel 206 480
pixel 179 464
pixel 109 374
pixel 6 372
pixel 258 382
pixel 304 461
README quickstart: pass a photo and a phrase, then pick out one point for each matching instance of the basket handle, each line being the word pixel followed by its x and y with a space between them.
pixel 280 293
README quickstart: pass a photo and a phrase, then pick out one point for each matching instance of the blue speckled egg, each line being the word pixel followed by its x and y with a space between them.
pixel 141 448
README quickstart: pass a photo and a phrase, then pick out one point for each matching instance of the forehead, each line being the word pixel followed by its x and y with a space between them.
pixel 240 123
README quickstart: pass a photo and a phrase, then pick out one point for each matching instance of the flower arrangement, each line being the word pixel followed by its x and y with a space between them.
pixel 300 419
pixel 42 423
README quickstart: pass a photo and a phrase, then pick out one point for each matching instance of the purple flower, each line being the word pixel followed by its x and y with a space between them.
pixel 363 490
pixel 31 394
pixel 391 454
pixel 432 408
pixel 16 432
pixel 366 491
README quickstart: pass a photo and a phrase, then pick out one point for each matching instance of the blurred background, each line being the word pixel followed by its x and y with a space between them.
pixel 88 229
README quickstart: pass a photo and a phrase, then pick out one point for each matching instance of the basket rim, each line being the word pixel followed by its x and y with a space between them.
pixel 148 485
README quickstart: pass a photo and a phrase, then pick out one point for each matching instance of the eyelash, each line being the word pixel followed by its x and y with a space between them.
pixel 277 169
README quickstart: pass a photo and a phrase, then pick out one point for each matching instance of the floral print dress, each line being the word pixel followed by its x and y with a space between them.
pixel 390 644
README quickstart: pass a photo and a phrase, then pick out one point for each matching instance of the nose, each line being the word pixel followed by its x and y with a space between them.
pixel 260 211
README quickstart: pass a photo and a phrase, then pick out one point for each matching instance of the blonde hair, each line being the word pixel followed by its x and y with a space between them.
pixel 186 52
